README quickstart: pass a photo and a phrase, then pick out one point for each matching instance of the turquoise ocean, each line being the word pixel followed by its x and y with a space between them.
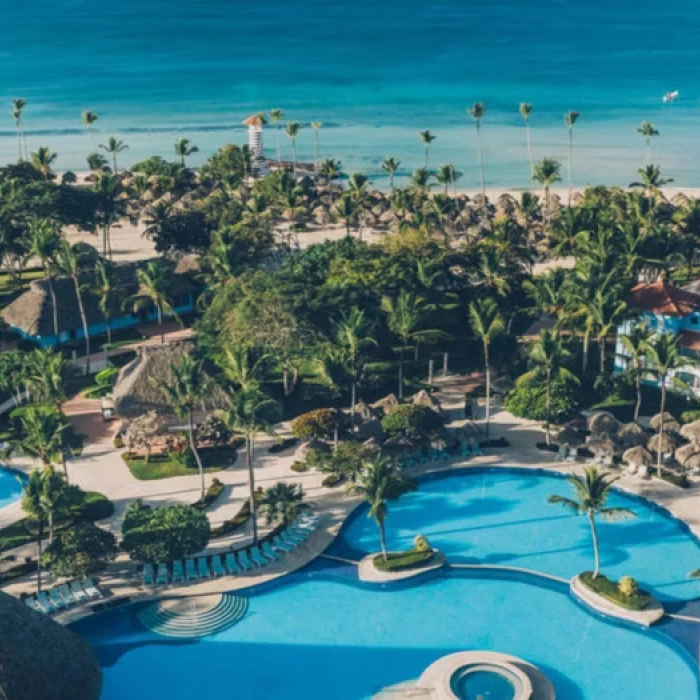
pixel 374 72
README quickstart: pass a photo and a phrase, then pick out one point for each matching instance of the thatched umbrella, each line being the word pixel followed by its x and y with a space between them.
pixel 423 398
pixel 387 404
pixel 42 660
pixel 668 443
pixel 638 456
pixel 631 435
pixel 686 452
pixel 569 436
pixel 363 411
pixel 691 431
pixel 670 423
pixel 578 423
pixel 603 422
pixel 399 445
pixel 601 445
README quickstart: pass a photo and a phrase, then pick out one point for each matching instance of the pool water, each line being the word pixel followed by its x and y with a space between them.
pixel 484 685
pixel 10 487
pixel 501 516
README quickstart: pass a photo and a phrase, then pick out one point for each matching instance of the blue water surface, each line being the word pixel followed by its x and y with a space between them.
pixel 374 72
pixel 10 487
pixel 501 516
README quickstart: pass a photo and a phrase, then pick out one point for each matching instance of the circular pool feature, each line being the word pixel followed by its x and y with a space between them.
pixel 485 682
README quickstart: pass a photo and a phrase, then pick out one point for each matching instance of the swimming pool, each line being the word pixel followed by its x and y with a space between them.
pixel 10 486
pixel 501 516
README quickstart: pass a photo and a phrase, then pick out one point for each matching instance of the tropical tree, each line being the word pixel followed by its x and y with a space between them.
pixel 648 131
pixel 346 210
pixel 18 105
pixel 292 130
pixel 591 492
pixel 42 160
pixel 89 118
pixel 390 166
pixel 570 119
pixel 331 169
pixel 447 175
pixel 276 116
pixel 651 181
pixel 282 503
pixel 34 505
pixel 43 242
pixel 426 138
pixel 252 412
pixel 97 163
pixel 108 293
pixel 81 550
pixel 47 371
pixel 687 220
pixel 114 147
pixel 316 126
pixel 477 111
pixel 184 148
pixel 43 435
pixel 635 344
pixel 486 323
pixel 525 109
pixel 546 173
pixel 112 204
pixel 155 286
pixel 380 483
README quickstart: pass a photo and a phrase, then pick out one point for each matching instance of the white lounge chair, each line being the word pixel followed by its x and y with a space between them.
pixel 90 587
pixel 34 604
pixel 78 593
pixel 45 602
pixel 56 599
pixel 66 594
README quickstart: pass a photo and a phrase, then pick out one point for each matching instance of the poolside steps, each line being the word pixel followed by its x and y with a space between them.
pixel 195 617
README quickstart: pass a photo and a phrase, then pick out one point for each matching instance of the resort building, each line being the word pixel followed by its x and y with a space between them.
pixel 255 125
pixel 665 308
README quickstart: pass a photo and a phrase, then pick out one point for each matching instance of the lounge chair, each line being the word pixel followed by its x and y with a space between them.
pixel 78 593
pixel 216 566
pixel 257 556
pixel 281 546
pixel 90 587
pixel 149 578
pixel 191 570
pixel 64 591
pixel 45 602
pixel 562 453
pixel 34 604
pixel 231 564
pixel 56 599
pixel 476 449
pixel 246 563
pixel 178 572
pixel 162 578
pixel 269 552
pixel 573 454
pixel 203 568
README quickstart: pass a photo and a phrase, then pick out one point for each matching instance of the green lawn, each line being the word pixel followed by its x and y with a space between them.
pixel 609 589
pixel 402 561
pixel 9 291
pixel 163 467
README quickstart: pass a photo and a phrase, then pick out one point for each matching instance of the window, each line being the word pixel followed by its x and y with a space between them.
pixel 694 319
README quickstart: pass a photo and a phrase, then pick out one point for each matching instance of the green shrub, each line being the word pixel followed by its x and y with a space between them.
pixel 332 480
pixel 690 416
pixel 610 590
pixel 529 400
pixel 421 544
pixel 628 586
pixel 415 422
pixel 238 442
pixel 283 445
pixel 215 489
pixel 235 523
pixel 299 467
pixel 321 423
pixel 104 381
pixel 95 506
pixel 119 442
pixel 81 550
pixel 403 561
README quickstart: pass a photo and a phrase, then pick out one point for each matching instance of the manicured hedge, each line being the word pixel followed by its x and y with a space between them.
pixel 216 488
pixel 610 590
pixel 402 561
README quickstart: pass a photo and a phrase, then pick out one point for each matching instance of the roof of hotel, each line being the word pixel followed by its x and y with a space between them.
pixel 664 299
pixel 255 120
pixel 690 340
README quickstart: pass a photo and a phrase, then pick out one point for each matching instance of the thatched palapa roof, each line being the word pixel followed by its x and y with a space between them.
pixel 639 456
pixel 603 422
pixel 601 445
pixel 42 660
pixel 423 398
pixel 631 435
pixel 568 436
pixel 688 455
pixel 691 431
pixel 668 444
pixel 669 422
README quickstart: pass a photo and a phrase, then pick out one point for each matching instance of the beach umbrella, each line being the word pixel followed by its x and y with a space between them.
pixel 601 445
pixel 685 452
pixel 667 445
pixel 670 423
pixel 631 435
pixel 638 456
pixel 423 398
pixel 578 423
pixel 387 404
pixel 569 436
pixel 603 422
pixel 691 431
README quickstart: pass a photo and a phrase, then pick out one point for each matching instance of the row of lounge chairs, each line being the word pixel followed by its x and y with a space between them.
pixel 231 563
pixel 64 596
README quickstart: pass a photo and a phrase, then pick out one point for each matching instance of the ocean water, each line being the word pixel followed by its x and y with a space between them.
pixel 374 72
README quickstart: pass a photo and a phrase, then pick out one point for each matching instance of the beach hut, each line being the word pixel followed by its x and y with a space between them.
pixel 637 456
pixel 691 431
pixel 631 435
pixel 255 124
pixel 387 404
pixel 603 422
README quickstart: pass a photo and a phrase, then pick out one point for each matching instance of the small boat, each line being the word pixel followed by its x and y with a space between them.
pixel 671 96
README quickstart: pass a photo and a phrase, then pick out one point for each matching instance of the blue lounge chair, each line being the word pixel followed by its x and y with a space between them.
pixel 279 544
pixel 269 552
pixel 245 561
pixel 56 599
pixel 90 587
pixel 178 572
pixel 257 556
pixel 203 568
pixel 216 566
pixel 34 604
pixel 66 594
pixel 148 576
pixel 191 570
pixel 162 577
pixel 476 449
pixel 78 593
pixel 45 601
pixel 231 564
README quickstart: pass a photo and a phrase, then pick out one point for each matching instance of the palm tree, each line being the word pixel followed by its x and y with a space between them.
pixel 648 131
pixel 346 209
pixel 380 483
pixel 188 390
pixel 447 175
pixel 651 181
pixel 184 148
pixel 42 161
pixel 112 204
pixel 89 118
pixel 331 169
pixel 477 111
pixel 486 323
pixel 34 505
pixel 155 285
pixel 43 242
pixel 242 366
pixel 282 503
pixel 276 116
pixel 546 172
pixel 548 355
pixel 47 371
pixel 592 491
pixel 251 413
pixel 525 109
pixel 43 434
pixel 292 130
pixel 687 220
pixel 352 335
pixel 108 293
pixel 426 138
pixel 114 146
pixel 316 126
pixel 70 262
pixel 390 166
pixel 663 359
pixel 570 119
pixel 635 344
pixel 18 105
pixel 97 163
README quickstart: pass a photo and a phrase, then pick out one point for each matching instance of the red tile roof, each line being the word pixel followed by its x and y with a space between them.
pixel 690 340
pixel 663 298
pixel 255 120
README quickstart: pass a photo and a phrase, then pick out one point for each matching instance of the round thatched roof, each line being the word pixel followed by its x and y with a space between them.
pixel 667 445
pixel 670 423
pixel 387 404
pixel 42 660
pixel 578 423
pixel 688 455
pixel 691 431
pixel 569 436
pixel 631 435
pixel 638 456
pixel 601 444
pixel 603 422
pixel 423 398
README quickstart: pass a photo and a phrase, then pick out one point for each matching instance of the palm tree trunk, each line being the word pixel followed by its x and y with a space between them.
pixel 529 152
pixel 488 387
pixel 279 150
pixel 481 163
pixel 661 429
pixel 584 366
pixel 195 452
pixel 594 535
pixel 109 331
pixel 382 537
pixel 316 152
pixel 40 551
pixel 294 155
pixel 52 292
pixel 251 485
pixel 19 143
pixel 160 323
pixel 638 404
pixel 601 352
pixel 401 370
pixel 114 160
pixel 83 320
pixel 571 149
pixel 51 528
pixel 353 398
pixel 426 157
pixel 548 409
pixel 64 464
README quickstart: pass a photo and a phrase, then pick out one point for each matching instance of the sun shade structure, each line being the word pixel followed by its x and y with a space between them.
pixel 668 443
pixel 603 422
pixel 568 436
pixel 601 445
pixel 638 456
pixel 691 431
pixel 631 435
pixel 669 422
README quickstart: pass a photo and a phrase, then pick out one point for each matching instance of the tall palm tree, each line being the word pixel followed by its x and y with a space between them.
pixel 112 204
pixel 390 166
pixel 316 126
pixel 43 242
pixel 591 494
pixel 89 118
pixel 34 505
pixel 477 111
pixel 184 148
pixel 648 131
pixel 47 371
pixel 331 169
pixel 108 293
pixel 292 130
pixel 155 287
pixel 570 119
pixel 687 220
pixel 42 431
pixel 447 175
pixel 252 412
pixel 663 359
pixel 486 323
pixel 525 109
pixel 114 147
pixel 188 390
pixel 651 181
pixel 548 355
pixel 18 105
pixel 635 344
pixel 282 503
pixel 546 173
pixel 380 483
pixel 42 160
pixel 426 138
pixel 70 261
pixel 276 116
pixel 346 209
